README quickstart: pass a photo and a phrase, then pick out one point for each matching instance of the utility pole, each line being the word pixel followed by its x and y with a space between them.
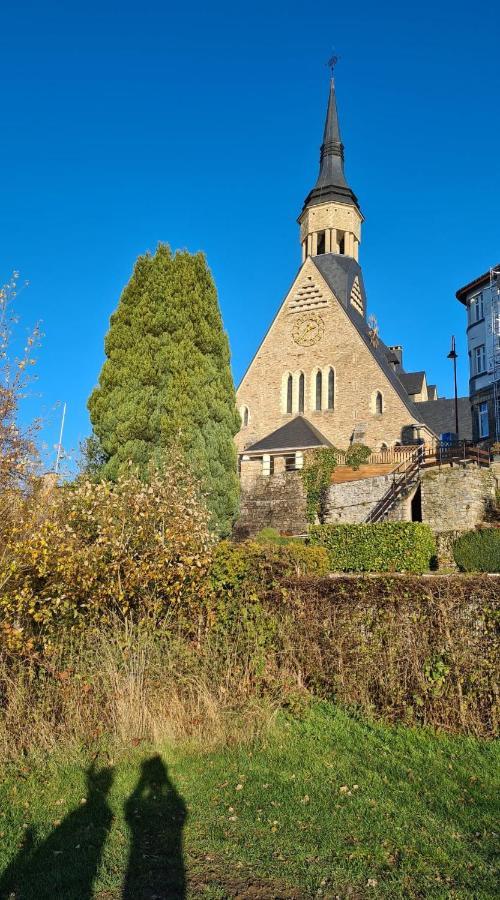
pixel 59 446
pixel 453 355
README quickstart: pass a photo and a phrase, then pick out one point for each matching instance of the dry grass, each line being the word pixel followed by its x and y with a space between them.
pixel 130 683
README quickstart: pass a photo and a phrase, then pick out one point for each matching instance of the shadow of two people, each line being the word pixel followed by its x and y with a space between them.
pixel 66 863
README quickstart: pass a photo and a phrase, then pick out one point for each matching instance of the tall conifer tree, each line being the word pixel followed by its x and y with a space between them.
pixel 167 378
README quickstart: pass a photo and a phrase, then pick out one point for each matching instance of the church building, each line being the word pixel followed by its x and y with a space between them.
pixel 322 376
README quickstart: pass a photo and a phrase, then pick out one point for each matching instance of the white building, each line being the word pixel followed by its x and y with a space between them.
pixel 481 298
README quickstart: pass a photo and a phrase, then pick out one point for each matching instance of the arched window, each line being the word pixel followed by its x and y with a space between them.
pixel 289 394
pixel 319 387
pixel 245 416
pixel 301 392
pixel 331 389
pixel 379 403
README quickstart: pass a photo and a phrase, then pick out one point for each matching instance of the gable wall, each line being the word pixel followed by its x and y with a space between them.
pixel 358 375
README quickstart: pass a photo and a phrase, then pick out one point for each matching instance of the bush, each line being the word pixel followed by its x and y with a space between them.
pixel 79 554
pixel 249 567
pixel 270 535
pixel 478 551
pixel 408 648
pixel 384 547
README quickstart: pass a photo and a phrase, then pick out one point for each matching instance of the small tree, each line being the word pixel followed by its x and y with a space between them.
pixel 17 448
pixel 167 380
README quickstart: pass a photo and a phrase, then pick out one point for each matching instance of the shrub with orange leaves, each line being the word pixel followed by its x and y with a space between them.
pixel 82 553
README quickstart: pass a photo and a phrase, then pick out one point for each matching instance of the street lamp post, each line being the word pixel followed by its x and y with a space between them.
pixel 453 355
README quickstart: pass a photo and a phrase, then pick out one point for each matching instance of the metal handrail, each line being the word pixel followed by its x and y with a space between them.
pixel 403 475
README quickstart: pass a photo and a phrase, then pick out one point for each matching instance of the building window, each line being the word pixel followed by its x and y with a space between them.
pixel 480 359
pixel 289 394
pixel 321 243
pixel 244 416
pixel 331 389
pixel 483 423
pixel 476 308
pixel 319 388
pixel 301 392
pixel 267 465
pixel 379 404
pixel 290 463
pixel 341 241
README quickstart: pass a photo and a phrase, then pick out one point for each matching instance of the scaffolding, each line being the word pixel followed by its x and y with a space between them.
pixel 495 336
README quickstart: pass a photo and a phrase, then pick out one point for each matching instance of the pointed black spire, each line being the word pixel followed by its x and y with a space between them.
pixel 331 183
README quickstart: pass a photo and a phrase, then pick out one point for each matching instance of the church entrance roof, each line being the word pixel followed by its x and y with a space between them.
pixel 298 434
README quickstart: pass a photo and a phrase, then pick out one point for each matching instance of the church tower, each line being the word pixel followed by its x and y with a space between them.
pixel 322 376
pixel 330 221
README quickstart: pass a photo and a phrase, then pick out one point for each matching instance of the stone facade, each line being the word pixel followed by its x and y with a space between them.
pixel 277 502
pixel 456 496
pixel 353 500
pixel 337 345
pixel 334 219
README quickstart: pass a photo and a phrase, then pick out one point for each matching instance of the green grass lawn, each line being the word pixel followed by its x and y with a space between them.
pixel 327 806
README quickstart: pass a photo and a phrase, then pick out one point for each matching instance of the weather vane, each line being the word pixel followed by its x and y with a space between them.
pixel 332 62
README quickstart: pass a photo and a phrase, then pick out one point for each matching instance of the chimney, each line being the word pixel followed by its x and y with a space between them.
pixel 398 351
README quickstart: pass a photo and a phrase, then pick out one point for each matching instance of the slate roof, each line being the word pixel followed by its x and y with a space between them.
pixel 331 183
pixel 412 382
pixel 462 292
pixel 440 416
pixel 298 434
pixel 339 273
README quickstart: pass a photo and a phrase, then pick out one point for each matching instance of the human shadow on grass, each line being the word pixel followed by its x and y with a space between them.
pixel 65 864
pixel 155 813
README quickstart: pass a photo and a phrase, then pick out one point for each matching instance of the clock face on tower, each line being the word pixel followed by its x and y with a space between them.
pixel 308 329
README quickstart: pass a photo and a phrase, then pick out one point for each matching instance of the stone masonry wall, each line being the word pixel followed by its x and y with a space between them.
pixel 278 502
pixel 453 497
pixel 456 497
pixel 352 501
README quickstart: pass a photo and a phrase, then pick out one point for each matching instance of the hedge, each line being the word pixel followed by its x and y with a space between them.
pixel 250 567
pixel 383 547
pixel 408 648
pixel 478 551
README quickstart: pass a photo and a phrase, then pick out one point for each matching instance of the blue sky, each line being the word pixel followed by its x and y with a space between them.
pixel 199 124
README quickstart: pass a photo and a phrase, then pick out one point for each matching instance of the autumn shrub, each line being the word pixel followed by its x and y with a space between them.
pixel 413 649
pixel 76 555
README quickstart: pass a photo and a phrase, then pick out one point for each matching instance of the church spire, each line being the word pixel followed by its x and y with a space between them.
pixel 330 221
pixel 331 183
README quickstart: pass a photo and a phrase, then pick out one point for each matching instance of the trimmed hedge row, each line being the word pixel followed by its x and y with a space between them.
pixel 478 551
pixel 251 567
pixel 382 547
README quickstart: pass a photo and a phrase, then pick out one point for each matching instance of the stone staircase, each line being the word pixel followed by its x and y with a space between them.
pixel 405 478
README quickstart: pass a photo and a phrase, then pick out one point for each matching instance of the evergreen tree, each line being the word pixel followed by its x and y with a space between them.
pixel 167 379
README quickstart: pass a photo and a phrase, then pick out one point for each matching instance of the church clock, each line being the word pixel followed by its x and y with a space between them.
pixel 308 329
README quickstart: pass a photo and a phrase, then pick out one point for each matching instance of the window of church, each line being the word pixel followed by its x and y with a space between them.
pixel 331 389
pixel 244 416
pixel 341 242
pixel 319 388
pixel 301 392
pixel 289 394
pixel 321 242
pixel 379 404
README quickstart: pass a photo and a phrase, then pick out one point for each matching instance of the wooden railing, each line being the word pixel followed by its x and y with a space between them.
pixel 431 454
